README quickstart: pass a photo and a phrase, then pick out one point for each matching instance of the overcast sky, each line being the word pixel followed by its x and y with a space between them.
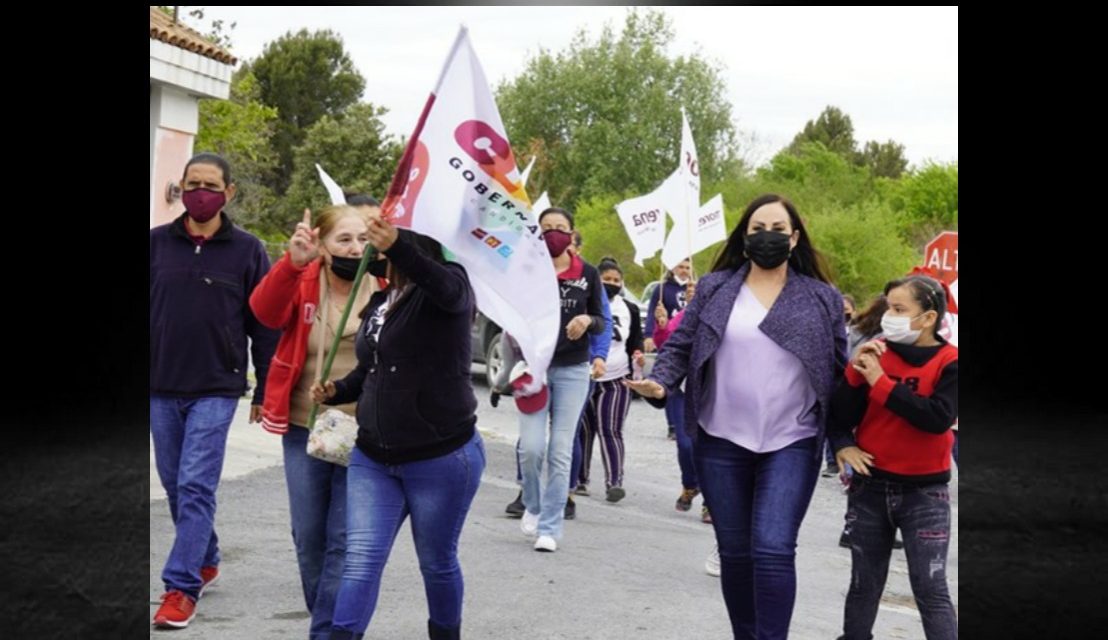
pixel 893 70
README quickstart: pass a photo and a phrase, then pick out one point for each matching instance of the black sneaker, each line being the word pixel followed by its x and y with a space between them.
pixel 831 471
pixel 516 508
pixel 581 490
pixel 898 543
pixel 571 509
pixel 844 541
pixel 615 494
pixel 671 435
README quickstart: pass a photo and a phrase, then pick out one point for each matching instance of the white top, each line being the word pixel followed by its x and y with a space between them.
pixel 758 394
pixel 618 365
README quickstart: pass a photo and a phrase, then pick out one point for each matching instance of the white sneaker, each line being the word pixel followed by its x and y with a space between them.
pixel 712 564
pixel 546 543
pixel 529 524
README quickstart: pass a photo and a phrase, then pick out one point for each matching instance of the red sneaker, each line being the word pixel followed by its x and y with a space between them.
pixel 177 610
pixel 208 577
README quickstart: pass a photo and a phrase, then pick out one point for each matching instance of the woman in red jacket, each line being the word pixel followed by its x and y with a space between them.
pixel 305 294
pixel 901 392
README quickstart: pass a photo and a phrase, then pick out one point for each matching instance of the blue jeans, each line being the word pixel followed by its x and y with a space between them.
pixel 190 438
pixel 568 389
pixel 317 506
pixel 758 501
pixel 875 509
pixel 578 451
pixel 437 494
pixel 675 416
pixel 575 464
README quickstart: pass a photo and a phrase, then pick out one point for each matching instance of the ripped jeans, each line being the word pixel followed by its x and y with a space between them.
pixel 875 510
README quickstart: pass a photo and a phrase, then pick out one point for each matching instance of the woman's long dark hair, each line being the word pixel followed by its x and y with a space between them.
pixel 868 322
pixel 805 259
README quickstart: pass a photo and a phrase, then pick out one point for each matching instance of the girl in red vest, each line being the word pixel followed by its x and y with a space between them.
pixel 890 421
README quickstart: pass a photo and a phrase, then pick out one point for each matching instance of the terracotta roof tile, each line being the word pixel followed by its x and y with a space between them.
pixel 178 35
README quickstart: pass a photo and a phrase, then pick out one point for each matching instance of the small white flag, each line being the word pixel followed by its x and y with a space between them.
pixel 333 188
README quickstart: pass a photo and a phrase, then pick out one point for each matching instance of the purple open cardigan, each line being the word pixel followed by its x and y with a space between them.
pixel 806 320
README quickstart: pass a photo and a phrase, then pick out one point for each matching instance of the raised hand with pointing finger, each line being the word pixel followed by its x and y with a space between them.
pixel 304 243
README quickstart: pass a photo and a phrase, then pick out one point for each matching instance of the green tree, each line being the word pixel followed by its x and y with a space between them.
pixel 833 129
pixel 306 76
pixel 885 160
pixel 353 149
pixel 816 177
pixel 240 129
pixel 863 246
pixel 603 116
pixel 926 201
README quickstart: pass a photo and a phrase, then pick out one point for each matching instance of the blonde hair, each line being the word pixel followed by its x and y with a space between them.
pixel 329 218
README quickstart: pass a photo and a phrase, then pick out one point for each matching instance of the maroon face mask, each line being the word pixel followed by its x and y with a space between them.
pixel 203 204
pixel 557 241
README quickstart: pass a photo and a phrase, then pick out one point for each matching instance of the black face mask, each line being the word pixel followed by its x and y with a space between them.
pixel 612 289
pixel 378 268
pixel 345 268
pixel 768 249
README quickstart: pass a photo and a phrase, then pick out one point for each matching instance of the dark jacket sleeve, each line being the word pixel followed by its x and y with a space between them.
pixel 447 286
pixel 650 309
pixel 635 336
pixel 848 406
pixel 933 414
pixel 263 340
pixel 672 365
pixel 350 387
pixel 838 332
pixel 596 305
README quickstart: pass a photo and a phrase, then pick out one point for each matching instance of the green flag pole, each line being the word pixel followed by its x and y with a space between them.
pixel 342 326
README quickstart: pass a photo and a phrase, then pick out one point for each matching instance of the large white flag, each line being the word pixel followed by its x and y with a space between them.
pixel 644 217
pixel 458 182
pixel 708 229
pixel 689 170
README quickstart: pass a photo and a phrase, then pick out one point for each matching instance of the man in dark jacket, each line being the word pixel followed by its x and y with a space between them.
pixel 202 271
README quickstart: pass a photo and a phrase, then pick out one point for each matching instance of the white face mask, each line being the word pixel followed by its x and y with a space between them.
pixel 899 328
pixel 681 281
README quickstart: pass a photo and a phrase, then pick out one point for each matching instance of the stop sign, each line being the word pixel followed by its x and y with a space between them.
pixel 941 254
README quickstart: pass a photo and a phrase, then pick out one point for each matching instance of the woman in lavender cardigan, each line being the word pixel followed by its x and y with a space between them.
pixel 761 346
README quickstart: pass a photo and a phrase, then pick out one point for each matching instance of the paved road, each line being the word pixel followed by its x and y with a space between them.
pixel 633 570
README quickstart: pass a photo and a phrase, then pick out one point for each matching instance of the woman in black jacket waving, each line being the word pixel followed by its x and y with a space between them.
pixel 418 452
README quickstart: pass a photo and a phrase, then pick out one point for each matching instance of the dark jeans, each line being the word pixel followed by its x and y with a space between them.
pixel 758 501
pixel 675 416
pixel 875 510
pixel 317 508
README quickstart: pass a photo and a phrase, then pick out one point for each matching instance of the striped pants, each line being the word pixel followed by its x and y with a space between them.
pixel 604 414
